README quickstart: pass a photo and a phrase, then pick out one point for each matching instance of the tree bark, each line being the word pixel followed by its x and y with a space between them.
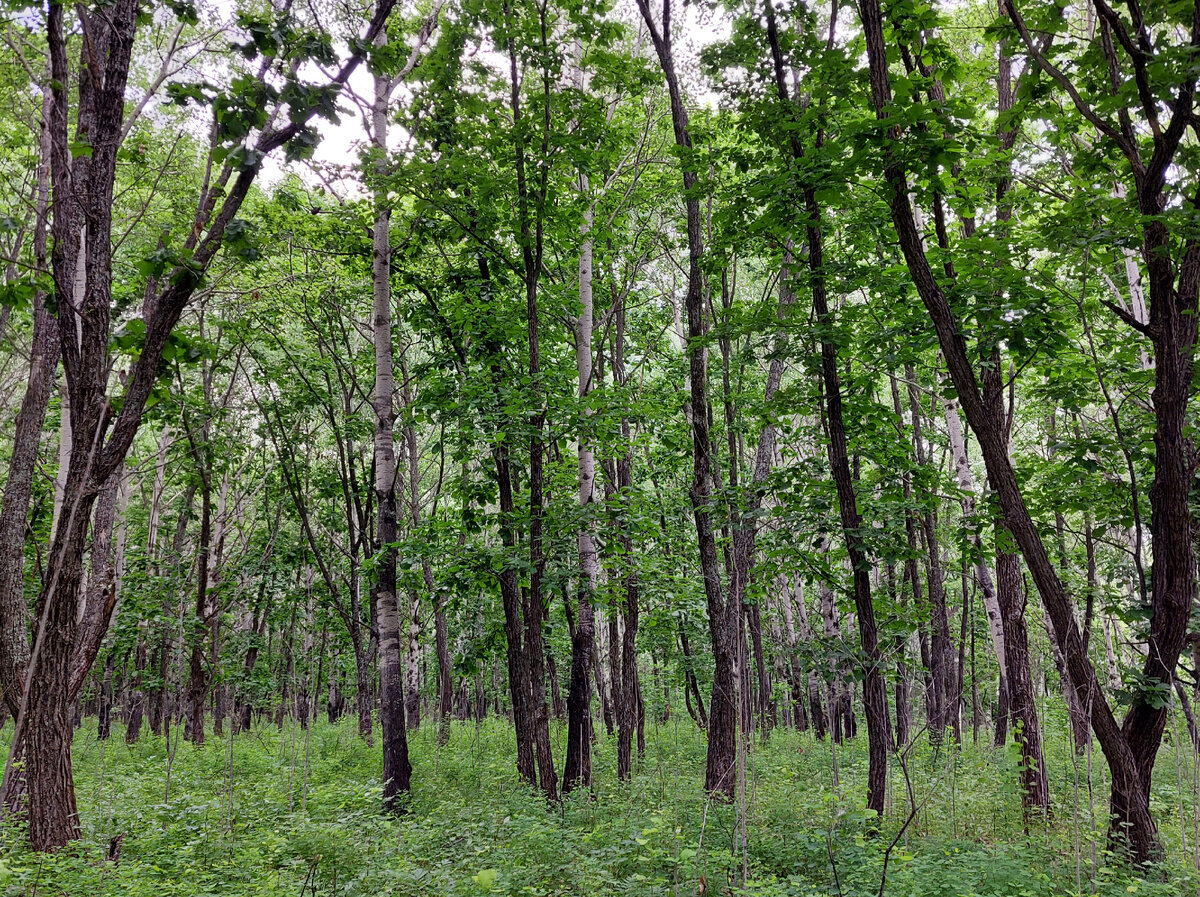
pixel 397 770
pixel 945 702
pixel 874 689
pixel 723 615
pixel 577 766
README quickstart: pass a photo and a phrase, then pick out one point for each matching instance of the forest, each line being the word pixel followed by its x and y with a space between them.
pixel 554 447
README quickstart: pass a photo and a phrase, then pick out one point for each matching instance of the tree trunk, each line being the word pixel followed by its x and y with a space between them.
pixel 397 770
pixel 534 608
pixel 104 709
pixel 1022 700
pixel 445 682
pixel 941 668
pixel 874 690
pixel 577 766
pixel 135 696
pixel 18 486
pixel 412 667
pixel 197 679
pixel 991 604
pixel 723 615
pixel 1129 750
pixel 628 707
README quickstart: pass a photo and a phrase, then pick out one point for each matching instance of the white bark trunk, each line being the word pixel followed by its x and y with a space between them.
pixel 966 482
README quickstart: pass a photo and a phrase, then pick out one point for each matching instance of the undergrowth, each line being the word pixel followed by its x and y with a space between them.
pixel 297 813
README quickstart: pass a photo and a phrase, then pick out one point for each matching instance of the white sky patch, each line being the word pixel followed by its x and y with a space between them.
pixel 342 142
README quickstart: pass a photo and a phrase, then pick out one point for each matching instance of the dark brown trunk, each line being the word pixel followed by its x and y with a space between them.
pixel 1021 697
pixel 630 700
pixel 510 597
pixel 943 705
pixel 27 432
pixel 534 608
pixel 874 689
pixel 723 615
pixel 197 676
pixel 577 766
pixel 692 685
pixel 900 649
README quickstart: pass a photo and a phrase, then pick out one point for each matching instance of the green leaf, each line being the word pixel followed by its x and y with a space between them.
pixel 486 878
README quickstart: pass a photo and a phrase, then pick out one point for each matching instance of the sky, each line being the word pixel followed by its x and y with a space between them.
pixel 341 142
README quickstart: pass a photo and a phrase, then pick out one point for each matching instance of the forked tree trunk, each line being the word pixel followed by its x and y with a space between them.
pixel 103 430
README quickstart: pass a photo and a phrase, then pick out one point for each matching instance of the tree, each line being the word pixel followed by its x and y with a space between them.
pixel 82 178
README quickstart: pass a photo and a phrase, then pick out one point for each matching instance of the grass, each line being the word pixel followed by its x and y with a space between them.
pixel 295 813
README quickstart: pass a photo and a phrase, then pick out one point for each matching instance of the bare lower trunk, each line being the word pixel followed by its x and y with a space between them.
pixel 397 770
pixel 445 681
pixel 412 664
pixel 577 766
pixel 104 708
pixel 197 675
pixel 18 485
pixel 1022 700
pixel 135 695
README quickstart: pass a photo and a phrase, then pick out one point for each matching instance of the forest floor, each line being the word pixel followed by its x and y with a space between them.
pixel 294 813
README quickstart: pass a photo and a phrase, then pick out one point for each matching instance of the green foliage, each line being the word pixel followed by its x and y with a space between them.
pixel 288 811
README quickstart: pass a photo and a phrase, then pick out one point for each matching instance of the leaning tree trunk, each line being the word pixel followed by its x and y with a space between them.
pixel 991 604
pixel 1133 823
